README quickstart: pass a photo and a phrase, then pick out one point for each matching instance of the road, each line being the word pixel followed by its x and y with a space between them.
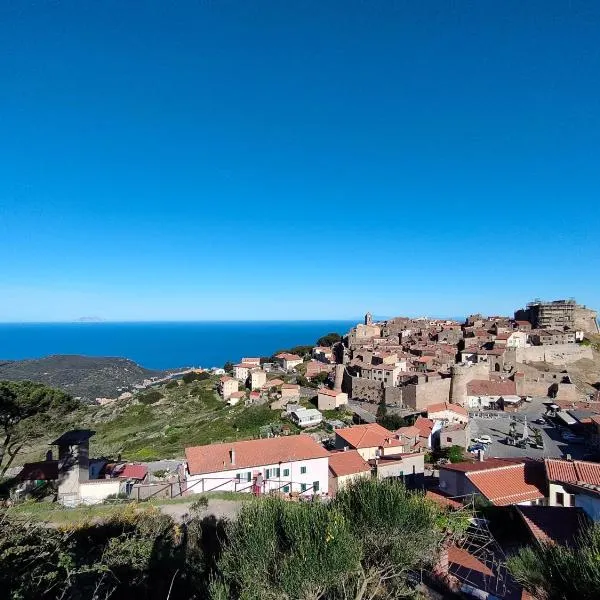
pixel 498 427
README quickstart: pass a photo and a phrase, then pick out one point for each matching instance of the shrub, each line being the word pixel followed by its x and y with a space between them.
pixel 151 397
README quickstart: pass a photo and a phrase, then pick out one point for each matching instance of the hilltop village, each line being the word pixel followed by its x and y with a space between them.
pixel 496 408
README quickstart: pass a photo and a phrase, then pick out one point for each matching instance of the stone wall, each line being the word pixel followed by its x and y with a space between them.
pixel 362 389
pixel 393 396
pixel 461 375
pixel 559 354
pixel 585 319
pixel 420 396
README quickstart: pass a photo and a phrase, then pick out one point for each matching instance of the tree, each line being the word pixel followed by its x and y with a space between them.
pixel 393 422
pixel 455 454
pixel 27 410
pixel 381 410
pixel 228 367
pixel 555 572
pixel 329 340
pixel 279 549
pixel 194 376
pixel 399 531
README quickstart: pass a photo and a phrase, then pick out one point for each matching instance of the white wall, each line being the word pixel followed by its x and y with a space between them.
pixel 317 469
pixel 94 492
pixel 481 401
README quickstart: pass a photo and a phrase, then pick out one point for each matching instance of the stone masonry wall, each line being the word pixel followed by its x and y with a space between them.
pixel 420 396
pixel 559 354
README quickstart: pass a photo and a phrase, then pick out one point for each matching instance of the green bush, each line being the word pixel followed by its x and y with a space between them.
pixel 151 397
pixel 193 376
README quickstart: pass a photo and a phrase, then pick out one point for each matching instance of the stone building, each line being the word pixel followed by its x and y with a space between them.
pixel 559 314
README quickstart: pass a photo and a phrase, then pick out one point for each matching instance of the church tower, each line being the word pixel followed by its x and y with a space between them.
pixel 368 319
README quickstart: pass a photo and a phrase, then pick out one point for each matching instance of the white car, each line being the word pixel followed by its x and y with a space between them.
pixel 484 439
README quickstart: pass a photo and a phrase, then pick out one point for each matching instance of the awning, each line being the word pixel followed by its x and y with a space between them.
pixel 566 418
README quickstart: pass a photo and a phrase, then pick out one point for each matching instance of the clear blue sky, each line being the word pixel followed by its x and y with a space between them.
pixel 273 159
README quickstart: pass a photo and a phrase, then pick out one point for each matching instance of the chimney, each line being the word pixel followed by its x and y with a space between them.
pixel 232 456
pixel 568 457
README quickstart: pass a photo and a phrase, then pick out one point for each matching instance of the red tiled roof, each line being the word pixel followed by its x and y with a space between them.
pixel 410 431
pixel 290 386
pixel 288 356
pixel 371 435
pixel 483 387
pixel 347 463
pixel 442 500
pixel 510 484
pixel 328 392
pixel 134 472
pixel 245 366
pixel 252 453
pixel 553 524
pixel 443 406
pixel 462 558
pixel 575 471
pixel 425 426
pixel 482 465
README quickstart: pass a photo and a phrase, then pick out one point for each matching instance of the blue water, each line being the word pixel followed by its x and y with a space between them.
pixel 163 345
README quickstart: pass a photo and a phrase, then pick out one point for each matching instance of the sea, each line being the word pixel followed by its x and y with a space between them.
pixel 163 345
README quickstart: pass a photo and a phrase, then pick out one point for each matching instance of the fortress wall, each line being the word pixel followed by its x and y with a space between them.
pixel 393 396
pixel 420 396
pixel 559 354
pixel 461 375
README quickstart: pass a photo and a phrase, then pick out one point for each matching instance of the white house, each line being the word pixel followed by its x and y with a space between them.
pixel 289 361
pixel 482 393
pixel 517 339
pixel 242 370
pixel 447 413
pixel 292 464
pixel 227 386
pixel 258 378
pixel 306 417
pixel 563 475
pixel 331 399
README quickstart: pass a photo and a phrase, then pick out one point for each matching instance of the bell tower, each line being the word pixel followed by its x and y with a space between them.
pixel 368 319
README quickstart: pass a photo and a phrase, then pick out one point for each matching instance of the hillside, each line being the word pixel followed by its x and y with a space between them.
pixel 87 377
pixel 161 422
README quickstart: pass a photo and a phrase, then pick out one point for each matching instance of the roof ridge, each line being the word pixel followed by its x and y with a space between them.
pixel 497 468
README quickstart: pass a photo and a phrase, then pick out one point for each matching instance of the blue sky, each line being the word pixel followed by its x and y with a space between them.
pixel 251 160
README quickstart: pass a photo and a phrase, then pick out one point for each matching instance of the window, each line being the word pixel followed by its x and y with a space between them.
pixel 286 472
pixel 238 476
pixel 277 472
pixel 268 473
pixel 448 439
pixel 316 486
pixel 571 499
pixel 286 489
pixel 302 487
pixel 302 470
pixel 249 476
pixel 560 499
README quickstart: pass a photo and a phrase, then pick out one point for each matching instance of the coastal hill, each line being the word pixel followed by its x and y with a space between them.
pixel 87 377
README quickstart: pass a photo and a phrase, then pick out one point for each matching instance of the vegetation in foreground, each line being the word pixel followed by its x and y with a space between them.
pixel 363 544
pixel 554 572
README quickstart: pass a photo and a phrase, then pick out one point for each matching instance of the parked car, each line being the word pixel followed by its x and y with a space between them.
pixel 484 439
pixel 476 448
pixel 540 421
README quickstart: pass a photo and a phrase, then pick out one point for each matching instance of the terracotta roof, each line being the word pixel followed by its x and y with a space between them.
pixel 442 500
pixel 461 558
pixel 510 484
pixel 237 395
pixel 290 386
pixel 134 472
pixel 288 356
pixel 483 387
pixel 252 453
pixel 572 471
pixel 553 524
pixel 425 426
pixel 226 378
pixel 410 431
pixel 245 366
pixel 46 470
pixel 328 392
pixel 252 359
pixel 347 463
pixel 370 435
pixel 273 382
pixel 443 406
pixel 483 465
